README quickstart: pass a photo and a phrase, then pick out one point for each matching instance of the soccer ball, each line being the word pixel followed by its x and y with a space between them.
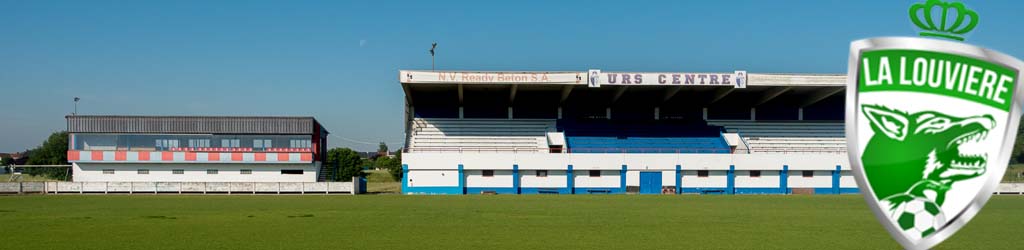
pixel 918 217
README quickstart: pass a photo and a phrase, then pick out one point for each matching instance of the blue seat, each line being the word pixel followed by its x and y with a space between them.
pixel 603 136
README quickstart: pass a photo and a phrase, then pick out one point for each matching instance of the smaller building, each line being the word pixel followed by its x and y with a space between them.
pixel 196 149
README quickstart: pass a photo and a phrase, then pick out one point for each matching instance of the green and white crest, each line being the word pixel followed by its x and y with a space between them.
pixel 930 127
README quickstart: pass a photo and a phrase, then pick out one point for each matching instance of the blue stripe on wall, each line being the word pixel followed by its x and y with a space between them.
pixel 708 190
pixel 515 178
pixel 432 190
pixel 849 190
pixel 622 179
pixel 759 191
pixel 731 181
pixel 462 179
pixel 499 190
pixel 784 180
pixel 569 180
pixel 679 179
pixel 597 191
pixel 405 177
pixel 835 180
pixel 530 190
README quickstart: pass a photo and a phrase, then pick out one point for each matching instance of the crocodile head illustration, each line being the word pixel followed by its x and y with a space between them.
pixel 923 153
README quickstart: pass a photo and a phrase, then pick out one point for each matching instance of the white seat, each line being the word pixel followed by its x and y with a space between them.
pixel 490 135
pixel 789 136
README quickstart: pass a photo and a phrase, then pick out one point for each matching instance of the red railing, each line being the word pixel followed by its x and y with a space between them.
pixel 211 149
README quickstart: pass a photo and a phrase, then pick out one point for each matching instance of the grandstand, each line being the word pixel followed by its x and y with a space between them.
pixel 789 136
pixel 624 132
pixel 490 135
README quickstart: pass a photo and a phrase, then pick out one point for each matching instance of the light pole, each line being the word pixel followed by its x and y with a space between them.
pixel 432 47
pixel 76 106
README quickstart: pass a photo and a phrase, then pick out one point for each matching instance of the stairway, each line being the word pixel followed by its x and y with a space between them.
pixel 325 174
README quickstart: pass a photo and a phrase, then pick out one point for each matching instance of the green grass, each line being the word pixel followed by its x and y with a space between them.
pixel 381 182
pixel 471 222
pixel 1014 173
pixel 25 177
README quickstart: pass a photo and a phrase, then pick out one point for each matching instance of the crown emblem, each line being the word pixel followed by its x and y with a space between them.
pixel 944 25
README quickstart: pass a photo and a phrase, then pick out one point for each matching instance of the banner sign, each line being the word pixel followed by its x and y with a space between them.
pixel 736 79
pixel 470 77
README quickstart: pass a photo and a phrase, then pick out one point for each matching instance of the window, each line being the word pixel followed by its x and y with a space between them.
pixel 808 174
pixel 166 144
pixel 542 173
pixel 245 171
pixel 229 143
pixel 755 173
pixel 488 173
pixel 108 171
pixel 198 143
pixel 291 171
pixel 178 171
pixel 702 173
pixel 300 144
pixel 595 173
pixel 143 171
pixel 212 171
pixel 261 144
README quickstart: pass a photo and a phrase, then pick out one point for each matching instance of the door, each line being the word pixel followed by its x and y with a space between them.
pixel 650 182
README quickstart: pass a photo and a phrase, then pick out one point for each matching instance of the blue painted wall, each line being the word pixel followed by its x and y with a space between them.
pixel 679 179
pixel 730 187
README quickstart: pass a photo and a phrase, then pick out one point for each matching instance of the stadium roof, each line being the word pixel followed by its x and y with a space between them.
pixel 737 87
pixel 192 124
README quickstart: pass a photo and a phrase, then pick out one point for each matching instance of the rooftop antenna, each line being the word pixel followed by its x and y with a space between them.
pixel 432 47
pixel 76 105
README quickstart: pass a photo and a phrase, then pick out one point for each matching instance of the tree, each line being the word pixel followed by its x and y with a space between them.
pixel 392 164
pixel 383 148
pixel 54 151
pixel 5 162
pixel 346 163
pixel 396 167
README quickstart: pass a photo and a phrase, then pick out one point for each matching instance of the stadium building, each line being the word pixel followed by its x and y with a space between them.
pixel 624 132
pixel 196 149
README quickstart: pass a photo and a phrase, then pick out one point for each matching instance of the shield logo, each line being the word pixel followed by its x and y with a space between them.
pixel 930 127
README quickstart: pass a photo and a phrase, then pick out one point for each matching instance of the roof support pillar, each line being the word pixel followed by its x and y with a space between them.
pixel 565 94
pixel 460 96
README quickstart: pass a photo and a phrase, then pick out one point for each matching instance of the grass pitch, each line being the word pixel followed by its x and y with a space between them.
pixel 471 222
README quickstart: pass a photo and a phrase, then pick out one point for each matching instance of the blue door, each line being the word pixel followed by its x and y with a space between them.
pixel 650 182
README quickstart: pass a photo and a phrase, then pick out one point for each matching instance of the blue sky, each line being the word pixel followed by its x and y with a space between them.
pixel 338 60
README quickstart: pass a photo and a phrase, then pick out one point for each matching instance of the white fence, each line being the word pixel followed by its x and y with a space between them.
pixel 354 187
pixel 1010 188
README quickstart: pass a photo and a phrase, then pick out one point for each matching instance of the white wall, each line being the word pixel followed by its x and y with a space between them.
pixel 768 179
pixel 426 160
pixel 716 178
pixel 846 179
pixel 160 172
pixel 501 178
pixel 632 178
pixel 668 178
pixel 423 164
pixel 529 179
pixel 821 179
pixel 433 178
pixel 488 161
pixel 609 178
